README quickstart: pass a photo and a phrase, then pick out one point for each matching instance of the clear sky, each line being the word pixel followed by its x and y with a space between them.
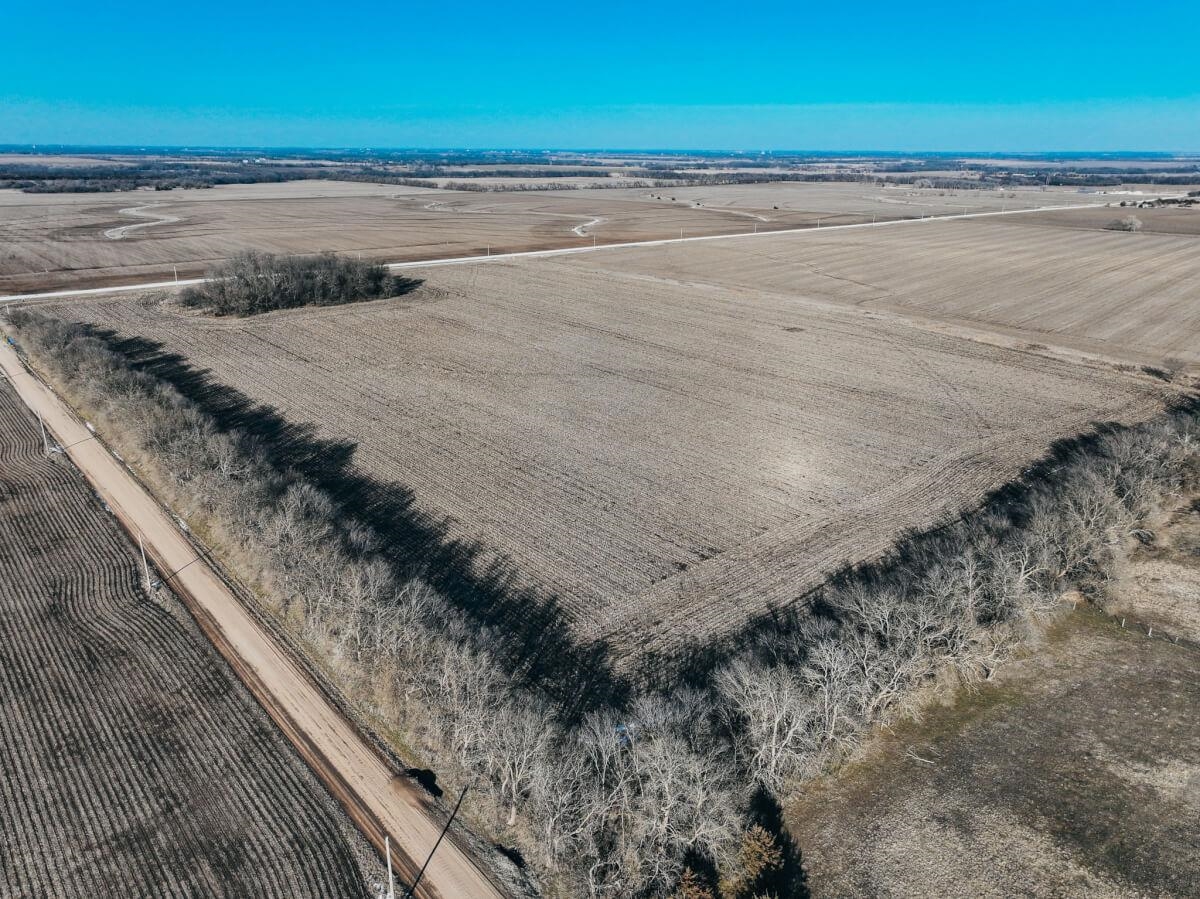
pixel 765 75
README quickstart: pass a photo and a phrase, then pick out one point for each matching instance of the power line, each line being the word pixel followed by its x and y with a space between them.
pixel 77 442
pixel 441 836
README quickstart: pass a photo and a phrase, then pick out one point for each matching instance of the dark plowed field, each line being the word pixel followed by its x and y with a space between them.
pixel 134 763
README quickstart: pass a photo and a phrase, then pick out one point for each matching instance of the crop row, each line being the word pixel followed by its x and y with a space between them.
pixel 135 764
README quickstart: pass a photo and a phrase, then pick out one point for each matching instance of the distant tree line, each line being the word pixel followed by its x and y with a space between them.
pixel 217 167
pixel 158 175
pixel 437 171
pixel 252 283
pixel 651 797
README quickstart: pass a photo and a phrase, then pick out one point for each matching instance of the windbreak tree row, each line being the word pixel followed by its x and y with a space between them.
pixel 653 796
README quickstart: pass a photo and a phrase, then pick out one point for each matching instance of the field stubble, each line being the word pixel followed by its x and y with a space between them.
pixel 81 240
pixel 667 461
pixel 1114 295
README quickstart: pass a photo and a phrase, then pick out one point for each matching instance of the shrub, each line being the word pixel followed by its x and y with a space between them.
pixel 1129 223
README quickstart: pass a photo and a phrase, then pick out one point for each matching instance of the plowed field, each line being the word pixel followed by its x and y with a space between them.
pixel 134 762
pixel 1110 293
pixel 669 455
pixel 79 240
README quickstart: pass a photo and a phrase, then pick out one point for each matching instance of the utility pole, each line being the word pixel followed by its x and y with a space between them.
pixel 45 438
pixel 387 848
pixel 176 270
pixel 145 565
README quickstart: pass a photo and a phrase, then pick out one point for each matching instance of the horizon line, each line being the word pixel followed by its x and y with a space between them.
pixel 850 152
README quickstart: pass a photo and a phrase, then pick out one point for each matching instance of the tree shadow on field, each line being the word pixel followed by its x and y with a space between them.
pixel 789 879
pixel 694 662
pixel 532 635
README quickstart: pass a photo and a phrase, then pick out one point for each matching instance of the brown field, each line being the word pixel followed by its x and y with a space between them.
pixel 78 240
pixel 1118 295
pixel 669 456
pixel 866 200
pixel 135 763
pixel 1076 774
pixel 61 160
pixel 1165 220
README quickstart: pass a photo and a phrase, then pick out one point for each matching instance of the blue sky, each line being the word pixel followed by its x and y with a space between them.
pixel 767 75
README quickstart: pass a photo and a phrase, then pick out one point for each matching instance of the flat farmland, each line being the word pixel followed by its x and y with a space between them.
pixel 135 763
pixel 832 200
pixel 79 240
pixel 1162 220
pixel 1113 294
pixel 666 459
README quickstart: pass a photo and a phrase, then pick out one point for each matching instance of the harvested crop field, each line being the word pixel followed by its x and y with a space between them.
pixel 134 762
pixel 832 200
pixel 661 460
pixel 51 240
pixel 1118 295
pixel 1161 220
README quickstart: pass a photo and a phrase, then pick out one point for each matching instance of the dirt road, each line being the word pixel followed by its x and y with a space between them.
pixel 364 783
pixel 140 212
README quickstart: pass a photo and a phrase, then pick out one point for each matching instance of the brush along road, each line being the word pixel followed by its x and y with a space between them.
pixel 364 783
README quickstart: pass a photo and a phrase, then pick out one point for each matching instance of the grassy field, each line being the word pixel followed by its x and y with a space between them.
pixel 51 240
pixel 665 457
pixel 135 762
pixel 1077 774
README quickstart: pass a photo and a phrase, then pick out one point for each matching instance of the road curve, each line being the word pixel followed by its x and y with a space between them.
pixel 566 251
pixel 380 802
pixel 123 231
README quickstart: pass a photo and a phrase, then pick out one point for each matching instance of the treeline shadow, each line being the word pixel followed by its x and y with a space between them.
pixel 790 878
pixel 524 626
pixel 694 663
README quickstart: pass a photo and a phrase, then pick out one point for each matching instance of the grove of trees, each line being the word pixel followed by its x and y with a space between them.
pixel 251 283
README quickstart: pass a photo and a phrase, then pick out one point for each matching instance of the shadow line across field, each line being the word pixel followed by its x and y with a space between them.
pixel 526 628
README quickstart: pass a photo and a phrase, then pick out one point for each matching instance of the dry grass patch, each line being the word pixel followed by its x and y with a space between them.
pixel 1077 775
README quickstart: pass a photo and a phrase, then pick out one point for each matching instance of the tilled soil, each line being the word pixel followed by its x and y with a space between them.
pixel 67 240
pixel 135 763
pixel 660 461
pixel 1112 294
